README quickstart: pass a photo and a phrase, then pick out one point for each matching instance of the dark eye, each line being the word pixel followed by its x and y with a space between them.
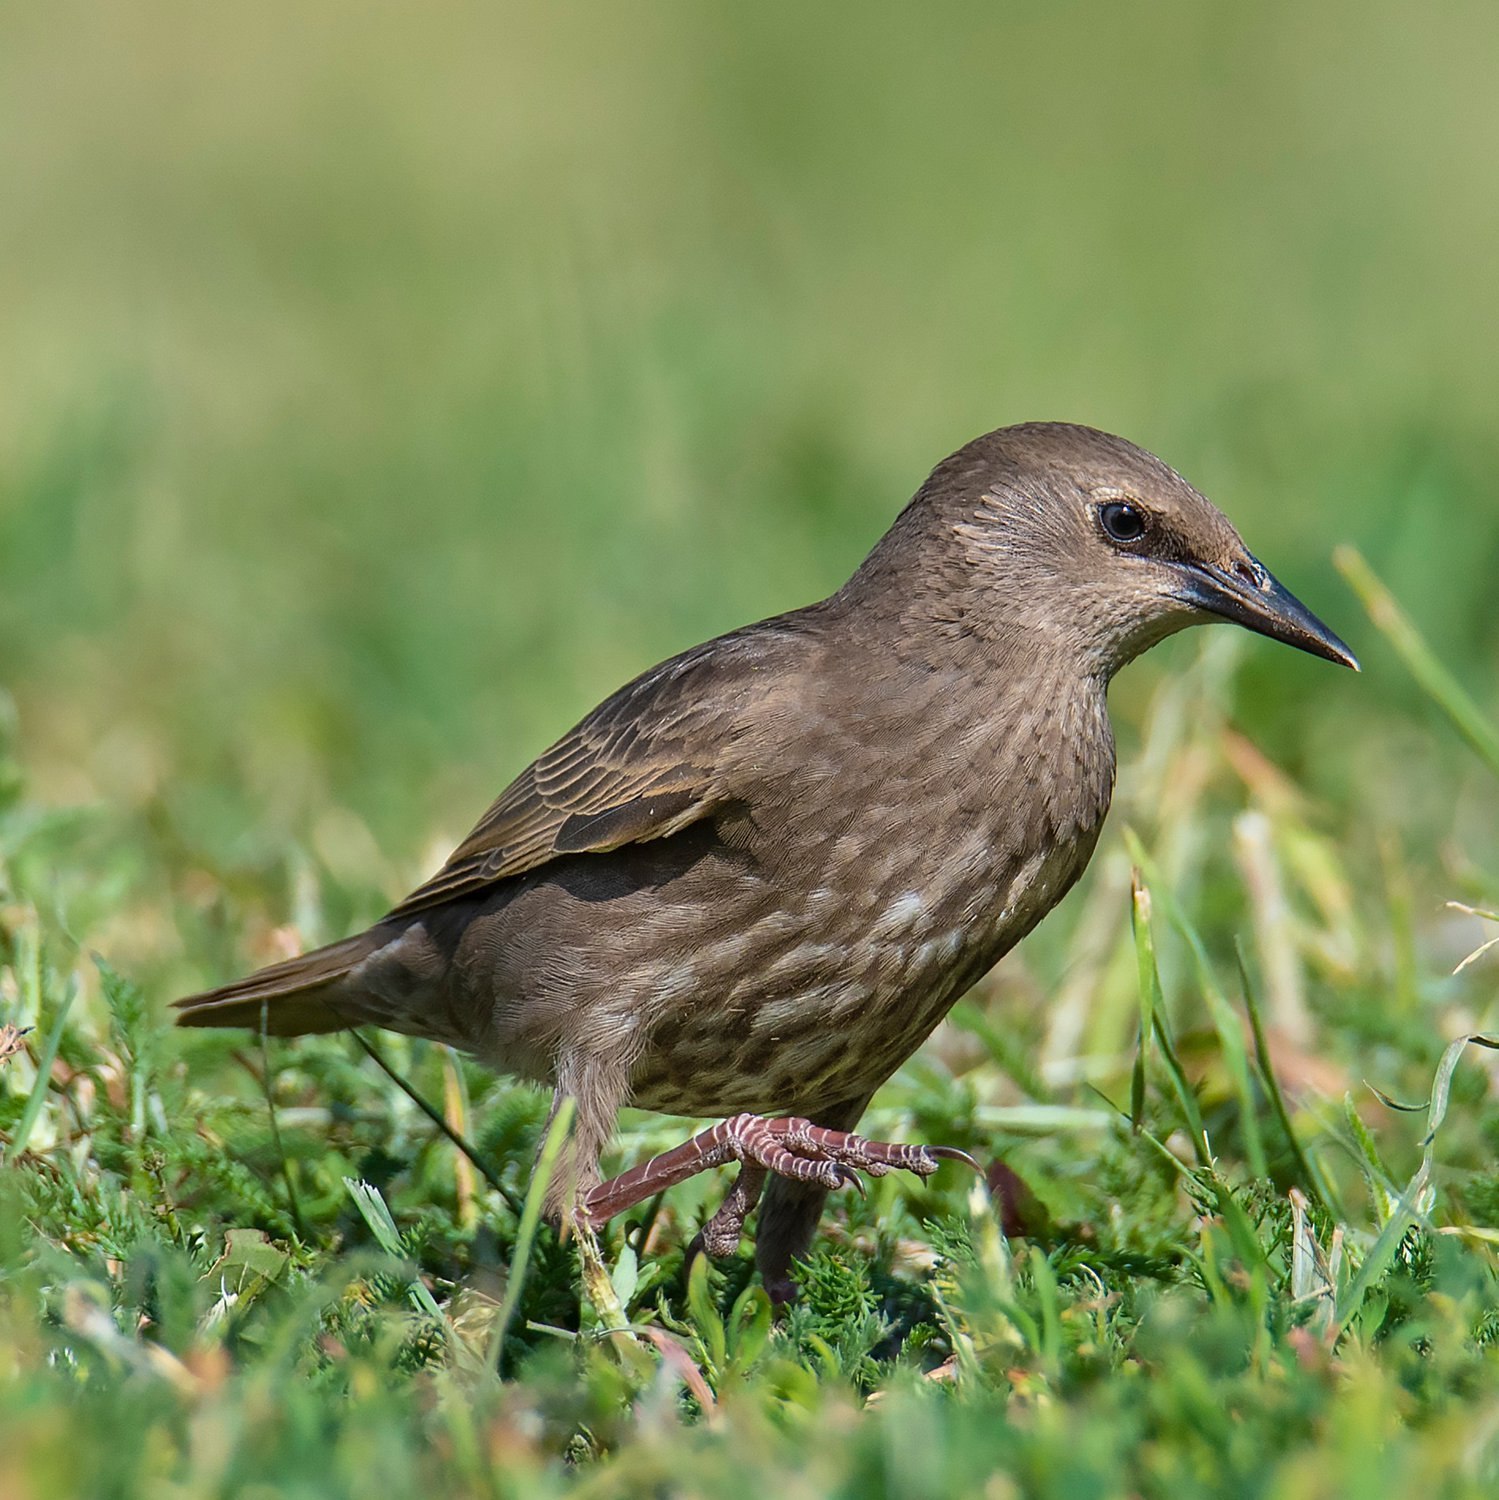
pixel 1123 522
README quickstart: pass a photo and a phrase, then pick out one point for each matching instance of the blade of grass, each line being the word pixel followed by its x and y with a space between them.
pixel 1225 1022
pixel 1421 662
pixel 1184 1093
pixel 1311 1181
pixel 1161 1149
pixel 376 1213
pixel 456 1113
pixel 1361 1145
pixel 530 1218
pixel 268 1084
pixel 1044 1280
pixel 1152 1015
pixel 439 1120
pixel 38 1096
pixel 1149 989
pixel 1487 916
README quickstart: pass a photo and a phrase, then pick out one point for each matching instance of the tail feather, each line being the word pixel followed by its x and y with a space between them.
pixel 292 998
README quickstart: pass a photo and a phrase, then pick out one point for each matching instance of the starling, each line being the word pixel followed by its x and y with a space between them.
pixel 751 882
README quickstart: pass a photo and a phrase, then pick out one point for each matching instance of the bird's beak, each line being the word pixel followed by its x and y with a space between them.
pixel 1252 597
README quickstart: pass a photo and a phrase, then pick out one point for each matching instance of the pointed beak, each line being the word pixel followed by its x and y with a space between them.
pixel 1251 596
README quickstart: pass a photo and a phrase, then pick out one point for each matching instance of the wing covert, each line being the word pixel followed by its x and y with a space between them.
pixel 649 761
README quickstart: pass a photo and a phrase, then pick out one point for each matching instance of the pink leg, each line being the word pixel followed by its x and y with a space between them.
pixel 789 1146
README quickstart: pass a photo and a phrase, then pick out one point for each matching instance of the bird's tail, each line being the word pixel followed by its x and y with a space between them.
pixel 292 998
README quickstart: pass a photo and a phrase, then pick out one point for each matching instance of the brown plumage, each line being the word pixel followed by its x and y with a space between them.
pixel 756 877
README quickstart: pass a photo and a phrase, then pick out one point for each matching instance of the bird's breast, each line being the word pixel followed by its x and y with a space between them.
pixel 831 991
pixel 877 885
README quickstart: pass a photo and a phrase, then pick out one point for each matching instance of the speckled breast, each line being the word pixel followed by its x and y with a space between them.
pixel 827 1004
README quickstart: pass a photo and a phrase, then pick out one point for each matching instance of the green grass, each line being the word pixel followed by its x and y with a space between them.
pixel 384 386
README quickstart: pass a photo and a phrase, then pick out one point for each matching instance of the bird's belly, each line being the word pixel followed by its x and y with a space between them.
pixel 825 1005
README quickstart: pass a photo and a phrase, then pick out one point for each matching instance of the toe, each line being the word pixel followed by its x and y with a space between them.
pixel 851 1178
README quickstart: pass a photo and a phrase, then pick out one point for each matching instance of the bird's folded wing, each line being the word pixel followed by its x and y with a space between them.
pixel 649 761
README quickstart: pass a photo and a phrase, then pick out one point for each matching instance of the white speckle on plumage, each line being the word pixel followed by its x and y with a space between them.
pixel 819 899
pixel 801 959
pixel 680 984
pixel 899 915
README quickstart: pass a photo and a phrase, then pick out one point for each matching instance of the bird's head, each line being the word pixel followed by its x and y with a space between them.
pixel 1067 534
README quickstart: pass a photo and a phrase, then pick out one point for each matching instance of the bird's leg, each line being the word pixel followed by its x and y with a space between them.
pixel 707 1149
pixel 789 1147
pixel 790 1211
pixel 721 1234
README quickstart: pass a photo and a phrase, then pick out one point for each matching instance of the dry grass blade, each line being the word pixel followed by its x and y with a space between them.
pixel 1150 985
pixel 1482 948
pixel 679 1362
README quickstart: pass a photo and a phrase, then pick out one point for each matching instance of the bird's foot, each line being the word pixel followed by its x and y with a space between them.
pixel 720 1236
pixel 790 1147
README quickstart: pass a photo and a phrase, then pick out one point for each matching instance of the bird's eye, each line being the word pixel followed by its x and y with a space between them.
pixel 1123 522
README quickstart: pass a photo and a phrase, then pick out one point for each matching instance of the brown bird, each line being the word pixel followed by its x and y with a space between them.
pixel 752 881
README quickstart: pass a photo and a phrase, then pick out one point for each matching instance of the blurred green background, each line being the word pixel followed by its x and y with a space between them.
pixel 385 383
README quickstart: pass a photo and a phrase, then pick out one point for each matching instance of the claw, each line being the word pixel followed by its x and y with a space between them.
pixel 951 1153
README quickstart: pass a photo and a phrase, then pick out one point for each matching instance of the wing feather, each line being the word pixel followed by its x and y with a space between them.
pixel 649 761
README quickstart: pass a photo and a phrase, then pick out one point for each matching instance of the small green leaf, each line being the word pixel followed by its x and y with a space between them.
pixel 373 1210
pixel 705 1318
pixel 750 1322
pixel 252 1251
pixel 625 1276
